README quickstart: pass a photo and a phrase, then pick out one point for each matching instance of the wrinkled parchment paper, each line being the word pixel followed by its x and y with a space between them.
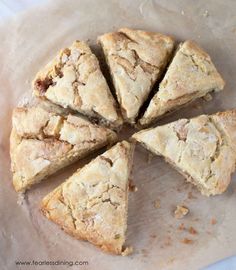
pixel 27 43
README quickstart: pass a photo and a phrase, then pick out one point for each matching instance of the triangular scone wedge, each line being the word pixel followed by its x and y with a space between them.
pixel 190 75
pixel 92 204
pixel 73 79
pixel 43 142
pixel 203 149
pixel 136 60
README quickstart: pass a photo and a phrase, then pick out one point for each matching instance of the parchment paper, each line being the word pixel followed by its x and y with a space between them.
pixel 27 43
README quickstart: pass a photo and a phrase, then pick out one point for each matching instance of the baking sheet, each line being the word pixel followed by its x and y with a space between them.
pixel 27 43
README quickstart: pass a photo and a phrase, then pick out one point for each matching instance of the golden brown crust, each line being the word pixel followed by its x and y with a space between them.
pixel 202 148
pixel 43 142
pixel 73 79
pixel 191 75
pixel 136 60
pixel 92 204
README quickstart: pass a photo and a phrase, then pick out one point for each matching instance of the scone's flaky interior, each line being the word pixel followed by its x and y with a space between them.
pixel 73 79
pixel 92 204
pixel 191 75
pixel 202 149
pixel 136 60
pixel 43 142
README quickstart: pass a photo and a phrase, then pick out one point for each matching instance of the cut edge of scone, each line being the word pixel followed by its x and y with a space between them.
pixel 43 142
pixel 158 108
pixel 95 210
pixel 225 124
pixel 135 37
pixel 73 79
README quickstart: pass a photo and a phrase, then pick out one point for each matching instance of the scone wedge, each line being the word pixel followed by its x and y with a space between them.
pixel 203 149
pixel 136 60
pixel 92 204
pixel 73 79
pixel 190 75
pixel 42 142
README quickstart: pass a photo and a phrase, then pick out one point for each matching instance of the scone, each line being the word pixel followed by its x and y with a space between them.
pixel 92 204
pixel 191 75
pixel 136 60
pixel 203 149
pixel 73 79
pixel 43 142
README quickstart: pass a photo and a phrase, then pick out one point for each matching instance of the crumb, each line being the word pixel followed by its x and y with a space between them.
pixel 153 236
pixel 208 232
pixel 149 158
pixel 192 230
pixel 181 227
pixel 157 203
pixel 187 241
pixel 132 186
pixel 181 211
pixel 182 12
pixel 207 97
pixel 206 13
pixel 213 221
pixel 127 251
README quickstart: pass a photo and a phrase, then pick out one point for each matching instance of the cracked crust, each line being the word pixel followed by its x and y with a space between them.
pixel 92 204
pixel 203 149
pixel 191 75
pixel 43 142
pixel 136 60
pixel 73 79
